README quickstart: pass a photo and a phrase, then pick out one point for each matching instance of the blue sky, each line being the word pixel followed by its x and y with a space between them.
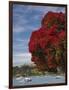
pixel 27 18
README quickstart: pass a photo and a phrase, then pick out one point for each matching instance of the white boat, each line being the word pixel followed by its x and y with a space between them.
pixel 19 78
pixel 58 77
pixel 27 79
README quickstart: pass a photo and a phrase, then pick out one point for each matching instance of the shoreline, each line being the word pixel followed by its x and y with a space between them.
pixel 48 74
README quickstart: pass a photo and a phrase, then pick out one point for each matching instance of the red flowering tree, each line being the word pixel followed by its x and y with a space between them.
pixel 48 44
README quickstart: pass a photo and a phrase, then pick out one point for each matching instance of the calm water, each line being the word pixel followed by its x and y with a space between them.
pixel 50 79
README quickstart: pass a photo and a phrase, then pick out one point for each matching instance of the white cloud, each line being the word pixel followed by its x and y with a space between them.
pixel 21 59
pixel 22 55
pixel 21 44
pixel 18 29
pixel 22 24
pixel 22 40
pixel 24 28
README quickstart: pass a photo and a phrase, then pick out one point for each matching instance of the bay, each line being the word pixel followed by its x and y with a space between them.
pixel 37 80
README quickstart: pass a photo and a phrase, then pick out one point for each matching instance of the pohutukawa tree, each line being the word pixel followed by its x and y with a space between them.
pixel 47 45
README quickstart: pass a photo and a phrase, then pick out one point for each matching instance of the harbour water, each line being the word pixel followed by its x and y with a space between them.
pixel 36 80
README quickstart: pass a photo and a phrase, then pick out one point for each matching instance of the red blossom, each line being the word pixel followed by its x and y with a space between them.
pixel 53 18
pixel 51 62
pixel 48 36
pixel 55 41
pixel 52 30
pixel 34 59
pixel 62 35
pixel 32 46
pixel 43 42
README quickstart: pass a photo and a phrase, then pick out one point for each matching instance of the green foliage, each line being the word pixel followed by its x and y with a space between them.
pixel 26 70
